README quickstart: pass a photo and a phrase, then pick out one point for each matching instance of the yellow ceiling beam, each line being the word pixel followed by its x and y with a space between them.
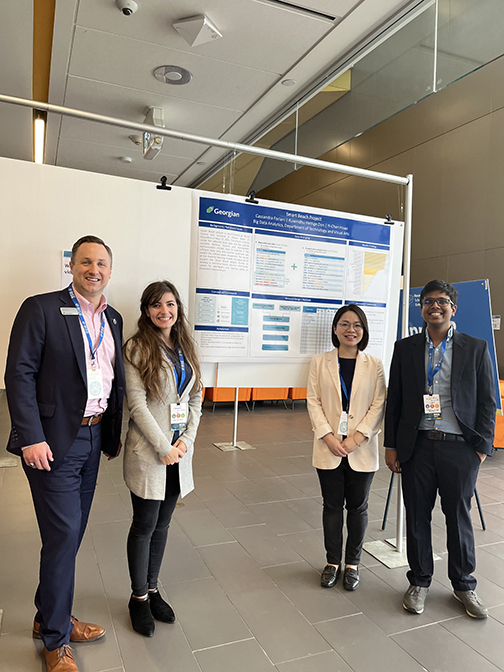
pixel 43 25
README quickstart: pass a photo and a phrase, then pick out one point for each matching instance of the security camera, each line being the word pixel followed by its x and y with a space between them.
pixel 127 7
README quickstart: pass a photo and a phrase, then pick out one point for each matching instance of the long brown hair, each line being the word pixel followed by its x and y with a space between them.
pixel 145 352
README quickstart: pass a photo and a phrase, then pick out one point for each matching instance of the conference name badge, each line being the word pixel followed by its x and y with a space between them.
pixel 343 424
pixel 432 406
pixel 178 417
pixel 94 384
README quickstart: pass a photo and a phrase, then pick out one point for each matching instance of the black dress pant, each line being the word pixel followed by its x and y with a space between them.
pixel 450 467
pixel 148 534
pixel 344 487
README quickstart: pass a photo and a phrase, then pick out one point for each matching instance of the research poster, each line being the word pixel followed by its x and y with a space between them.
pixel 270 277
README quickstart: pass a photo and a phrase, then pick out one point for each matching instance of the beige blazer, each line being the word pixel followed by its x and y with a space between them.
pixel 149 435
pixel 367 405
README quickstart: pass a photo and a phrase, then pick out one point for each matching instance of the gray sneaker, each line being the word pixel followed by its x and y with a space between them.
pixel 472 604
pixel 414 599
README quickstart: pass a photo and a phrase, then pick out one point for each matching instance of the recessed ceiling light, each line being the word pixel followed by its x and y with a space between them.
pixel 289 82
pixel 172 74
pixel 125 159
pixel 136 140
pixel 201 163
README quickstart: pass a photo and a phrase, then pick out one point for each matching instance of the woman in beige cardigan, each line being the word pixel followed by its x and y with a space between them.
pixel 346 399
pixel 163 390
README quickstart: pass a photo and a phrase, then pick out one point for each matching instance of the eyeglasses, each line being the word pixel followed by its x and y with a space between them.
pixel 346 325
pixel 442 303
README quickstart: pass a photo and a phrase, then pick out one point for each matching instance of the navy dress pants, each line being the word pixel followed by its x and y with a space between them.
pixel 450 468
pixel 62 498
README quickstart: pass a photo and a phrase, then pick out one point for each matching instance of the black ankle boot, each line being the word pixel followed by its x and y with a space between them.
pixel 141 616
pixel 160 609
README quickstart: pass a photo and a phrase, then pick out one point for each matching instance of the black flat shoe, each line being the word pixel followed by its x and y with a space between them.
pixel 141 617
pixel 329 576
pixel 351 578
pixel 160 609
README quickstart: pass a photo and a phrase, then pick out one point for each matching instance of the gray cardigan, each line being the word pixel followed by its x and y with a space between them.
pixel 149 435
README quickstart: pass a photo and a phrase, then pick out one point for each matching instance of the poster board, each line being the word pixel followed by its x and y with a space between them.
pixel 268 278
pixel 473 317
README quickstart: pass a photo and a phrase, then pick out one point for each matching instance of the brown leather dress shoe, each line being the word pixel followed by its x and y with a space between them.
pixel 60 660
pixel 82 632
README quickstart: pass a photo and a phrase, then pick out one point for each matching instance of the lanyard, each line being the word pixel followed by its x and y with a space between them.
pixel 84 325
pixel 430 371
pixel 179 383
pixel 344 387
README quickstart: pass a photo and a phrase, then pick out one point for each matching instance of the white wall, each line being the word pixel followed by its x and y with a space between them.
pixel 45 209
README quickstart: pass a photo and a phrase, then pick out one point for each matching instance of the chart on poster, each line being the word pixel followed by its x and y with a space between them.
pixel 269 278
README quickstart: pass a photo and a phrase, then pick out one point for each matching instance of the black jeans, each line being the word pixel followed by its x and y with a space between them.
pixel 344 487
pixel 450 468
pixel 148 534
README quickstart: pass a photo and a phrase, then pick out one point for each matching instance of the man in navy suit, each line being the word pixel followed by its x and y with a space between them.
pixel 65 384
pixel 439 428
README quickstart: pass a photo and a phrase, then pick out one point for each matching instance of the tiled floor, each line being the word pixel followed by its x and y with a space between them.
pixel 242 571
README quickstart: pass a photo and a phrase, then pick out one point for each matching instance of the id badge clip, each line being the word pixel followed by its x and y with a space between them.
pixel 178 417
pixel 432 406
pixel 343 424
pixel 94 384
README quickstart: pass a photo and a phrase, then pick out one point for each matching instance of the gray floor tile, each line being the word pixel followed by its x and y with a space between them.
pixel 108 508
pixel 307 509
pixel 208 488
pixel 181 561
pixel 384 607
pixel 329 661
pixel 243 656
pixel 301 584
pixel 279 518
pixel 308 484
pixel 202 527
pixel 490 636
pixel 206 615
pixel 310 546
pixel 436 649
pixel 264 546
pixel 249 492
pixel 232 512
pixel 364 647
pixel 20 653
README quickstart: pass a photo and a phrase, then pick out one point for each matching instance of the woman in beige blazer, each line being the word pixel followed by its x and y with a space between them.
pixel 346 399
pixel 163 390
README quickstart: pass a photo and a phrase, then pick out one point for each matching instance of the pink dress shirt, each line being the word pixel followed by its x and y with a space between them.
pixel 106 354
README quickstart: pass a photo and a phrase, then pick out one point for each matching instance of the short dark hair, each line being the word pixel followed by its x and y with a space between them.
pixel 89 239
pixel 362 344
pixel 439 286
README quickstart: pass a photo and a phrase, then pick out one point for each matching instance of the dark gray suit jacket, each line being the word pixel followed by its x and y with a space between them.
pixel 472 389
pixel 45 377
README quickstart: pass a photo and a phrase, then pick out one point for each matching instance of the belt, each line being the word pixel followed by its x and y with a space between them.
pixel 436 435
pixel 92 420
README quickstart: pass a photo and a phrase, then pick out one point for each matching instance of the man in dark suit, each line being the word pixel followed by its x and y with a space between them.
pixel 439 428
pixel 65 384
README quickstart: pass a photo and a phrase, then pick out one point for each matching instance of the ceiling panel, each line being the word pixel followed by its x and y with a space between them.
pixel 104 154
pixel 126 103
pixel 281 35
pixel 16 37
pixel 114 136
pixel 127 62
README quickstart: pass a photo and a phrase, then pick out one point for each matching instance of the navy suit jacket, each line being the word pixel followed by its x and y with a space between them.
pixel 45 377
pixel 472 391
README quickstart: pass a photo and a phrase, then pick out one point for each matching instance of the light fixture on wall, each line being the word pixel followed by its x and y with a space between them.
pixel 39 133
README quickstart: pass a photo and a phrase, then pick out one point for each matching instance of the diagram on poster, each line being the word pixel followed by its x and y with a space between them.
pixel 270 279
